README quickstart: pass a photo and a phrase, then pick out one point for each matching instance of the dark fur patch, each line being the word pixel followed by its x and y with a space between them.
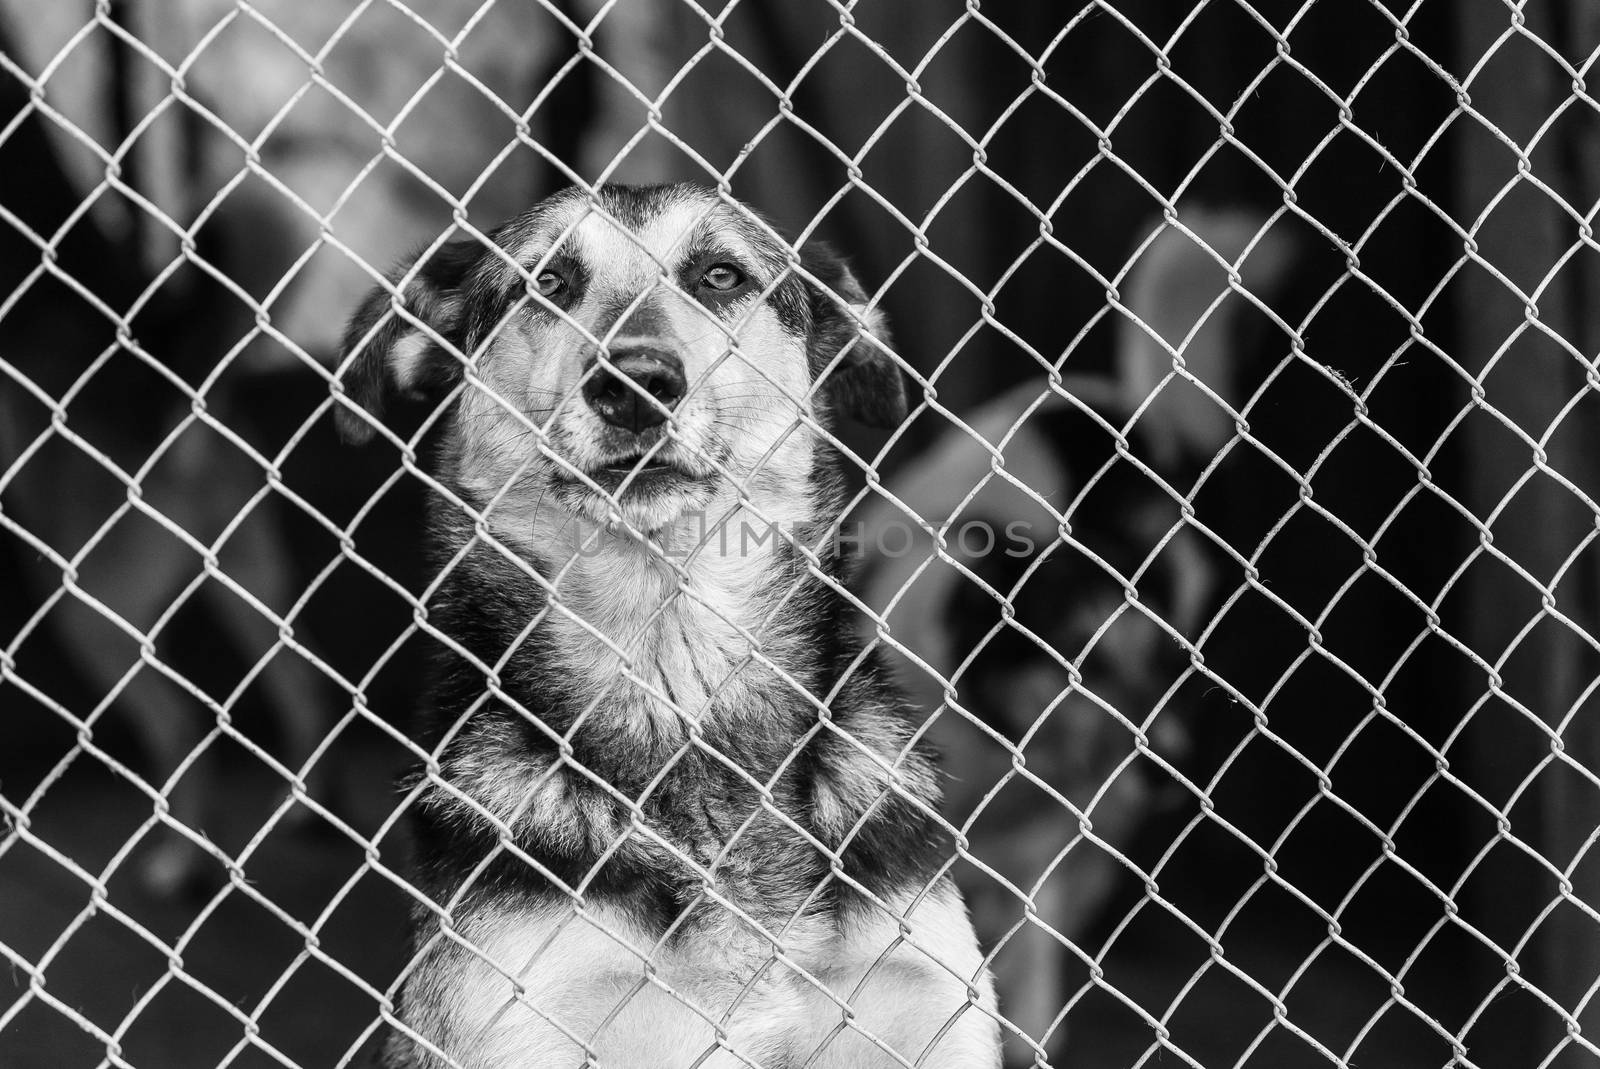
pixel 866 384
pixel 376 328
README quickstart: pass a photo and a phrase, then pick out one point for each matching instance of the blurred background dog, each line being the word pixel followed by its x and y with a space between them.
pixel 1049 634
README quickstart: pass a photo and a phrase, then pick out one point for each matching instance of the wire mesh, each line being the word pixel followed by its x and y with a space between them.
pixel 1237 550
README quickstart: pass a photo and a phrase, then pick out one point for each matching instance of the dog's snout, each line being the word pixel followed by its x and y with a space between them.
pixel 655 384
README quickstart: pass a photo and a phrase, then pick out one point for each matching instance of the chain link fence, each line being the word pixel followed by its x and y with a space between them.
pixel 1237 551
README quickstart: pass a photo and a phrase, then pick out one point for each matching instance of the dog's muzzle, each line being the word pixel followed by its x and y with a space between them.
pixel 637 390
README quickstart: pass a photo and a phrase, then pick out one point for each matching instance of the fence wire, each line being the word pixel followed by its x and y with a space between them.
pixel 1237 551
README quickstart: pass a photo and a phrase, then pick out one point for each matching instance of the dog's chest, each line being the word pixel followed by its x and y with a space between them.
pixel 652 649
pixel 718 826
pixel 657 825
pixel 532 965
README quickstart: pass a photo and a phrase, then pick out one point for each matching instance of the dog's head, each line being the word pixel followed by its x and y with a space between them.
pixel 635 351
pixel 1070 615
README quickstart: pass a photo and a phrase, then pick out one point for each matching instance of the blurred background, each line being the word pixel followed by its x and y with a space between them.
pixel 1359 831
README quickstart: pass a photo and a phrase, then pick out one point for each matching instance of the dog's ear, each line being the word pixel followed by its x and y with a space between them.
pixel 865 382
pixel 386 355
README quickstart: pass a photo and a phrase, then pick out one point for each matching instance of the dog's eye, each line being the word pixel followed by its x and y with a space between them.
pixel 550 283
pixel 722 277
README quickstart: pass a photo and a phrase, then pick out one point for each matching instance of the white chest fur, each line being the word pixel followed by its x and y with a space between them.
pixel 659 639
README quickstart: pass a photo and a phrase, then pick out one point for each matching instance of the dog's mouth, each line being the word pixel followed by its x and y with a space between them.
pixel 640 472
pixel 652 480
pixel 637 463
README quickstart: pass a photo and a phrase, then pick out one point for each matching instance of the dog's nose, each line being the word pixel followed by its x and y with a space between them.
pixel 657 386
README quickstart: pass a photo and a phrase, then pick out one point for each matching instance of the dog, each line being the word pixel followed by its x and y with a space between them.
pixel 1050 651
pixel 673 813
pixel 1066 676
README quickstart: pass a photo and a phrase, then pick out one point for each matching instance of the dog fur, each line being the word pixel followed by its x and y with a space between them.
pixel 675 816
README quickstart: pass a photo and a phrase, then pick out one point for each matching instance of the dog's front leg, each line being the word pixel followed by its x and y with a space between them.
pixel 915 985
pixel 558 988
